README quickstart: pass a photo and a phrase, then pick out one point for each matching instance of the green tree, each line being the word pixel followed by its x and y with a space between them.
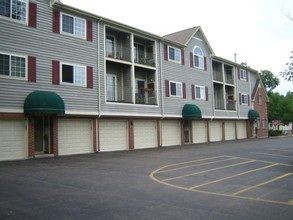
pixel 269 80
pixel 288 72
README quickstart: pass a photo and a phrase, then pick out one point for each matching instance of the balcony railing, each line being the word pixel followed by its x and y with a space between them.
pixel 147 97
pixel 122 54
pixel 218 76
pixel 146 60
pixel 229 80
pixel 231 105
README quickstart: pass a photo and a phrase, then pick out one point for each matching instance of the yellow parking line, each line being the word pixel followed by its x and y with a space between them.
pixel 275 155
pixel 290 202
pixel 200 164
pixel 230 177
pixel 187 162
pixel 261 184
pixel 205 171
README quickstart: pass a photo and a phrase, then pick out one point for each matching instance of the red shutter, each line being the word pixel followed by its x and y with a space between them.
pixel 32 15
pixel 182 57
pixel 56 21
pixel 167 90
pixel 191 60
pixel 32 69
pixel 193 92
pixel 207 93
pixel 89 30
pixel 89 71
pixel 184 90
pixel 238 71
pixel 205 64
pixel 240 99
pixel 55 72
pixel 165 51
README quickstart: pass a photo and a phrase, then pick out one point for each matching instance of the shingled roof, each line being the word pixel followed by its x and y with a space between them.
pixel 183 37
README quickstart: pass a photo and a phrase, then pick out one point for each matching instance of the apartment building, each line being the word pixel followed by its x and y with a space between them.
pixel 73 82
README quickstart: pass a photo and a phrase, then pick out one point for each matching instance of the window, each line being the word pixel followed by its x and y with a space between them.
pixel 243 74
pixel 176 89
pixel 259 99
pixel 110 46
pixel 111 87
pixel 12 66
pixel 73 25
pixel 139 53
pixel 200 92
pixel 14 9
pixel 198 58
pixel 174 54
pixel 244 99
pixel 73 74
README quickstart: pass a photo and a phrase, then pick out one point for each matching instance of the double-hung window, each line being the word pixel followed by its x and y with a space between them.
pixel 13 66
pixel 244 99
pixel 176 89
pixel 73 25
pixel 200 92
pixel 73 74
pixel 174 54
pixel 14 9
pixel 198 58
pixel 243 74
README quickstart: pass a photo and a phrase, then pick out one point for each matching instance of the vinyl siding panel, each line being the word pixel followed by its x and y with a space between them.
pixel 191 76
pixel 46 46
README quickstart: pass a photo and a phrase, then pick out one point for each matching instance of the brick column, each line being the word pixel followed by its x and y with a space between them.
pixel 131 134
pixel 31 137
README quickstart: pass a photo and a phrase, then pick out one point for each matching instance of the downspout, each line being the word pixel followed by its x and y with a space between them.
pixel 98 71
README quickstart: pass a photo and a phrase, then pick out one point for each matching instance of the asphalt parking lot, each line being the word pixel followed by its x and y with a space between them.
pixel 247 179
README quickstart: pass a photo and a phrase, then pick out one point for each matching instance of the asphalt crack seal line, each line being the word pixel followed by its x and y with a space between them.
pixel 161 169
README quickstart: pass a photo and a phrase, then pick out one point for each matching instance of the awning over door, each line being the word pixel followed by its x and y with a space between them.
pixel 44 102
pixel 191 111
pixel 252 114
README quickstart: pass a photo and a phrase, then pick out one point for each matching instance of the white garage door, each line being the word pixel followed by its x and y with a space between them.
pixel 215 128
pixel 230 130
pixel 171 133
pixel 113 135
pixel 241 129
pixel 145 134
pixel 13 139
pixel 75 136
pixel 199 130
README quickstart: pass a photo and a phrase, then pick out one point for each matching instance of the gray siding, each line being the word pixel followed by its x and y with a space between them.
pixel 46 46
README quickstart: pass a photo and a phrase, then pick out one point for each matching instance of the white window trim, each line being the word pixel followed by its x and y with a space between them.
pixel 15 77
pixel 246 95
pixel 74 65
pixel 175 61
pixel 15 20
pixel 204 94
pixel 177 83
pixel 69 34
pixel 241 76
pixel 199 67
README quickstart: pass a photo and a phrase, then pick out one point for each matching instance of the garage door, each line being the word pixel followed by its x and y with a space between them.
pixel 75 136
pixel 199 131
pixel 171 133
pixel 215 129
pixel 241 129
pixel 13 139
pixel 230 130
pixel 145 134
pixel 113 135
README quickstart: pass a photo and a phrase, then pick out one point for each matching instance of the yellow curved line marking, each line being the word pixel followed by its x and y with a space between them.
pixel 152 176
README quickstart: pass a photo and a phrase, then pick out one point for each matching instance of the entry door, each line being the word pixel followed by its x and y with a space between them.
pixel 42 134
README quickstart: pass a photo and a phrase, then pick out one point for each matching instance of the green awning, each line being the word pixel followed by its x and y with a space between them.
pixel 43 102
pixel 191 111
pixel 252 114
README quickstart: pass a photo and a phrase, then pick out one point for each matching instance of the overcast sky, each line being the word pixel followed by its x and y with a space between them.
pixel 258 31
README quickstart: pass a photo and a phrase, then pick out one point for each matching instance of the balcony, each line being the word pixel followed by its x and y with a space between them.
pixel 218 76
pixel 119 53
pixel 146 96
pixel 231 105
pixel 147 60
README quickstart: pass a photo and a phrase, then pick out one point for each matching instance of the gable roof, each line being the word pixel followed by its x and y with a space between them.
pixel 183 37
pixel 257 84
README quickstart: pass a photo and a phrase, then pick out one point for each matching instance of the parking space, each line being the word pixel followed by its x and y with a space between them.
pixel 231 176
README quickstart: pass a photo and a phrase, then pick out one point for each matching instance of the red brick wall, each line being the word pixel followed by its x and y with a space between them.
pixel 262 109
